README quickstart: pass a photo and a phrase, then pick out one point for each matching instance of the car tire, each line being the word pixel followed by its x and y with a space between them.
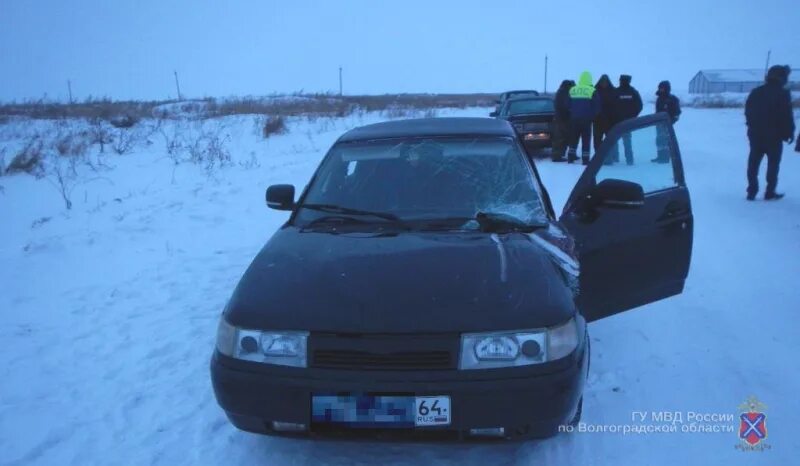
pixel 577 417
pixel 588 354
pixel 578 412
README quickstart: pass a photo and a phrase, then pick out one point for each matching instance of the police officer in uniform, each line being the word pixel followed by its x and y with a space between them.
pixel 627 105
pixel 584 105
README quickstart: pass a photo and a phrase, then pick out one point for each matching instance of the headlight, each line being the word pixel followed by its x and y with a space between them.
pixel 518 348
pixel 281 348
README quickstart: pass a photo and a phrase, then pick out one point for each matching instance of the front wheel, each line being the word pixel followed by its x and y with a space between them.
pixel 577 417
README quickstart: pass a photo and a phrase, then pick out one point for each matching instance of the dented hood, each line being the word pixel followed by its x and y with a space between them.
pixel 400 283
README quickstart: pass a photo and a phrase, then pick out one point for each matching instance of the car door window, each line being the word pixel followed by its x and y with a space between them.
pixel 632 254
pixel 643 156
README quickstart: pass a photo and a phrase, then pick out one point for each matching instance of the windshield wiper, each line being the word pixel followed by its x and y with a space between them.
pixel 335 220
pixel 494 222
pixel 332 208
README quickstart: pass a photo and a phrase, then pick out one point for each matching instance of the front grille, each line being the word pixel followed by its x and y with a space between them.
pixel 536 126
pixel 410 360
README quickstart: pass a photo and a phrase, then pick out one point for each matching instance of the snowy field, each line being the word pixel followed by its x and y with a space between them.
pixel 109 312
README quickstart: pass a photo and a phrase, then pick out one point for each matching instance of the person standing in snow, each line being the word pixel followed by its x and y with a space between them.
pixel 605 119
pixel 561 127
pixel 667 103
pixel 584 105
pixel 770 122
pixel 627 105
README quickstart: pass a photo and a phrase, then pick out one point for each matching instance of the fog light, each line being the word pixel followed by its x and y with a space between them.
pixel 249 344
pixel 288 426
pixel 531 348
pixel 488 432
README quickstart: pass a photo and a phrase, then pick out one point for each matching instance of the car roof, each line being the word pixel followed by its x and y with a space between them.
pixel 529 97
pixel 453 126
pixel 521 91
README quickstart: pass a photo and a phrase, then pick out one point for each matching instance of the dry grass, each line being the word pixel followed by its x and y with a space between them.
pixel 123 121
pixel 125 114
pixel 72 145
pixel 210 148
pixel 125 141
pixel 105 109
pixel 273 125
pixel 28 159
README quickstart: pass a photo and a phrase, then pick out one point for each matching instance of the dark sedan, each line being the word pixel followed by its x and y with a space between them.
pixel 511 95
pixel 423 283
pixel 532 117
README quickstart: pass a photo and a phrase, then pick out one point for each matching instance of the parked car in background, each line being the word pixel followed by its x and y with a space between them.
pixel 424 284
pixel 532 118
pixel 510 95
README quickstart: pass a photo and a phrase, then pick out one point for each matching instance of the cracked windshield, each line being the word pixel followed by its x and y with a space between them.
pixel 414 179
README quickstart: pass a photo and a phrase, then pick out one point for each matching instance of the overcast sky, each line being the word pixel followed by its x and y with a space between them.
pixel 128 49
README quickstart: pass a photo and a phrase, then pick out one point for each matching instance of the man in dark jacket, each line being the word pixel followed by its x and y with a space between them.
pixel 561 129
pixel 627 105
pixel 770 121
pixel 605 119
pixel 584 105
pixel 668 103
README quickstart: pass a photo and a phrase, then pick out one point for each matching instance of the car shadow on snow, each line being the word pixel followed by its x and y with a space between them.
pixel 351 450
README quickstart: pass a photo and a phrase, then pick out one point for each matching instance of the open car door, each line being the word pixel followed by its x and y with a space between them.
pixel 631 218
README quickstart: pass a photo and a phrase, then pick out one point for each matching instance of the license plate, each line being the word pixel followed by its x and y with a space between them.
pixel 432 411
pixel 381 411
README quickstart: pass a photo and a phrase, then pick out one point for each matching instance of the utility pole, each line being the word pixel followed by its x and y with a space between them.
pixel 545 74
pixel 340 81
pixel 766 67
pixel 69 88
pixel 178 86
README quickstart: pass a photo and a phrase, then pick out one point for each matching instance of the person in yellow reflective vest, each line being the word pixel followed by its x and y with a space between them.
pixel 584 105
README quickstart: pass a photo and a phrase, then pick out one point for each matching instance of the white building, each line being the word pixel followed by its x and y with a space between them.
pixel 716 81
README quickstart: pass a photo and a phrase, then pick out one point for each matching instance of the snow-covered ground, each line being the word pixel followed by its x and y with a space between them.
pixel 108 313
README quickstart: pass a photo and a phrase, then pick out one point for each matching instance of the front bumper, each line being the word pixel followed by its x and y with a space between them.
pixel 531 401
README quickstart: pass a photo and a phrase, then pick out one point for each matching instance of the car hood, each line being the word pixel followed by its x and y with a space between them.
pixel 400 283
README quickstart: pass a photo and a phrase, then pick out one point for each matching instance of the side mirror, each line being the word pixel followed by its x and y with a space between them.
pixel 618 193
pixel 493 114
pixel 280 197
